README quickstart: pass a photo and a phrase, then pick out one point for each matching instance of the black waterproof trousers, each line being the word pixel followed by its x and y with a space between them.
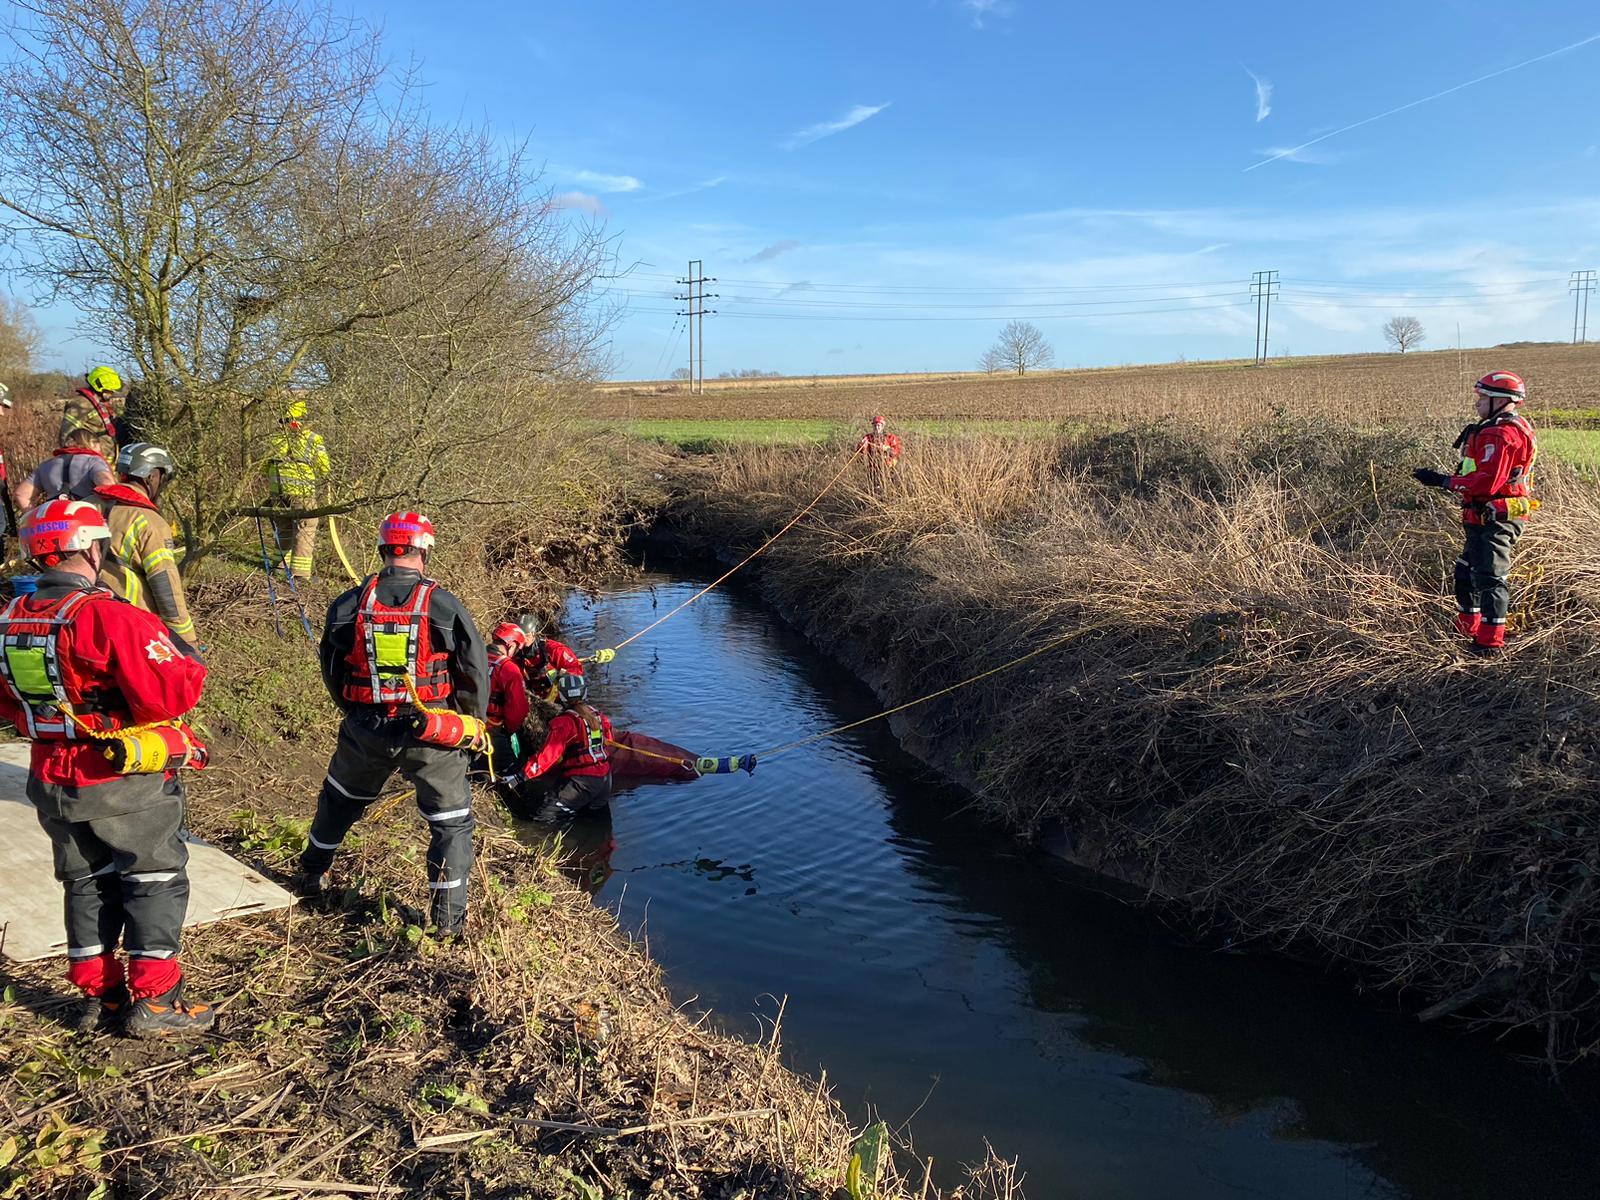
pixel 1483 572
pixel 554 800
pixel 370 750
pixel 121 860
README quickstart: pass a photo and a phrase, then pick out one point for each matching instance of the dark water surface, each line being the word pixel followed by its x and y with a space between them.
pixel 933 967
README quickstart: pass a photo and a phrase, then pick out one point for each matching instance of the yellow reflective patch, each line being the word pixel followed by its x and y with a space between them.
pixel 392 651
pixel 26 668
pixel 1467 467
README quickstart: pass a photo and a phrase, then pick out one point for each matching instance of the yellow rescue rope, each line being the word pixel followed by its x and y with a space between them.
pixel 1053 644
pixel 726 575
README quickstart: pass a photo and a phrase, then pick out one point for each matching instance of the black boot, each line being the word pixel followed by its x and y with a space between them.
pixel 169 1016
pixel 101 1014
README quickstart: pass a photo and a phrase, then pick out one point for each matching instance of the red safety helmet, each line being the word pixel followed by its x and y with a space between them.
pixel 1502 385
pixel 878 420
pixel 406 530
pixel 511 634
pixel 60 527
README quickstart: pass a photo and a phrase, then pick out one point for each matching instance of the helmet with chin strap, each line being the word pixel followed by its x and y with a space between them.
pixel 1504 386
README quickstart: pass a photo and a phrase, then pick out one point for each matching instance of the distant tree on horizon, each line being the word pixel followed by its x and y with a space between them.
pixel 1403 333
pixel 1020 347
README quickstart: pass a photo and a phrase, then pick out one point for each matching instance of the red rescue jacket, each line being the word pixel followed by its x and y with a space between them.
pixel 390 644
pixel 885 449
pixel 543 660
pixel 1497 459
pixel 573 747
pixel 508 693
pixel 74 645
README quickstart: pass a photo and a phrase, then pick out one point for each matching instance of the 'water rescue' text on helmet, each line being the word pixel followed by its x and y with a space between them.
pixel 510 634
pixel 572 689
pixel 407 530
pixel 60 527
pixel 138 460
pixel 1502 385
pixel 104 380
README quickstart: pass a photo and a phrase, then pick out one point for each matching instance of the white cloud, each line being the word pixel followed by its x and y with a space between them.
pixel 579 202
pixel 822 129
pixel 602 182
pixel 1263 96
pixel 1299 154
pixel 981 10
pixel 768 253
pixel 704 185
pixel 1527 62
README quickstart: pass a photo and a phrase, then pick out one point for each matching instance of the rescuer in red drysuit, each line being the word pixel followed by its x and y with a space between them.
pixel 74 658
pixel 1494 484
pixel 508 696
pixel 543 658
pixel 571 772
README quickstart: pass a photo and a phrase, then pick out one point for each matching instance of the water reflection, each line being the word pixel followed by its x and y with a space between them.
pixel 933 966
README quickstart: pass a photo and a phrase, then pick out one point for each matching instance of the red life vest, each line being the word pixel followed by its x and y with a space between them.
pixel 588 753
pixel 45 685
pixel 101 408
pixel 1518 487
pixel 392 643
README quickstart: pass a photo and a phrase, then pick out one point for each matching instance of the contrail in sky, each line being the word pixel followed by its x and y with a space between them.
pixel 1426 99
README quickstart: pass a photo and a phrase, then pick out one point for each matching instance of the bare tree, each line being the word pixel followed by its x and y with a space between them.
pixel 990 362
pixel 1020 347
pixel 248 208
pixel 19 340
pixel 1403 333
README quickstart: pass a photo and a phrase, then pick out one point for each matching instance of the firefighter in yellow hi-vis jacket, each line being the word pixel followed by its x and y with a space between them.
pixel 139 565
pixel 297 460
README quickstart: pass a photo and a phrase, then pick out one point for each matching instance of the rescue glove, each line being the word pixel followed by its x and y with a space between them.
pixel 1428 477
pixel 604 656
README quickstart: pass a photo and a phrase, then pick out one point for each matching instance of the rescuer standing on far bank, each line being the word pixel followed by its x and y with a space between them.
pixel 1494 483
pixel 882 452
pixel 405 664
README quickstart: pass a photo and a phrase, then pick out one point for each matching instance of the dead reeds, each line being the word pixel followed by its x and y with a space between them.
pixel 1267 719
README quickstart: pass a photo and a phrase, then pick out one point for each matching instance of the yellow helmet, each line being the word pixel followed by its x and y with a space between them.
pixel 104 380
pixel 296 411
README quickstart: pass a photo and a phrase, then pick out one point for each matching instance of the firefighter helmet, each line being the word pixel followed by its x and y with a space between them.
pixel 295 410
pixel 509 633
pixel 406 530
pixel 137 460
pixel 62 527
pixel 1502 385
pixel 104 380
pixel 572 689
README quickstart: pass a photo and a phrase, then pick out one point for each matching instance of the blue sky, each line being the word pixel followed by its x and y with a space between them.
pixel 852 171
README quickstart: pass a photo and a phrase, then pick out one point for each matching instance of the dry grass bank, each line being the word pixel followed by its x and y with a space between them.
pixel 1259 711
pixel 1391 386
pixel 356 1057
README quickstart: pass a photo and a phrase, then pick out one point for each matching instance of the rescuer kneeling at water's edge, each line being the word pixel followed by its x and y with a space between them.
pixel 1495 484
pixel 571 772
pixel 406 665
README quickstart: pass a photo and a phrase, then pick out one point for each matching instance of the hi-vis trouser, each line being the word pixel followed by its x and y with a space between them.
pixel 370 750
pixel 121 861
pixel 297 540
pixel 1483 572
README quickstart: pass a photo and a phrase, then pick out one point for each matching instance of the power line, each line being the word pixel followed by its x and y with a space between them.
pixel 734 314
pixel 900 306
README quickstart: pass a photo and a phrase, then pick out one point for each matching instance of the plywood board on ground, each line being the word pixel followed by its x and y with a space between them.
pixel 30 899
